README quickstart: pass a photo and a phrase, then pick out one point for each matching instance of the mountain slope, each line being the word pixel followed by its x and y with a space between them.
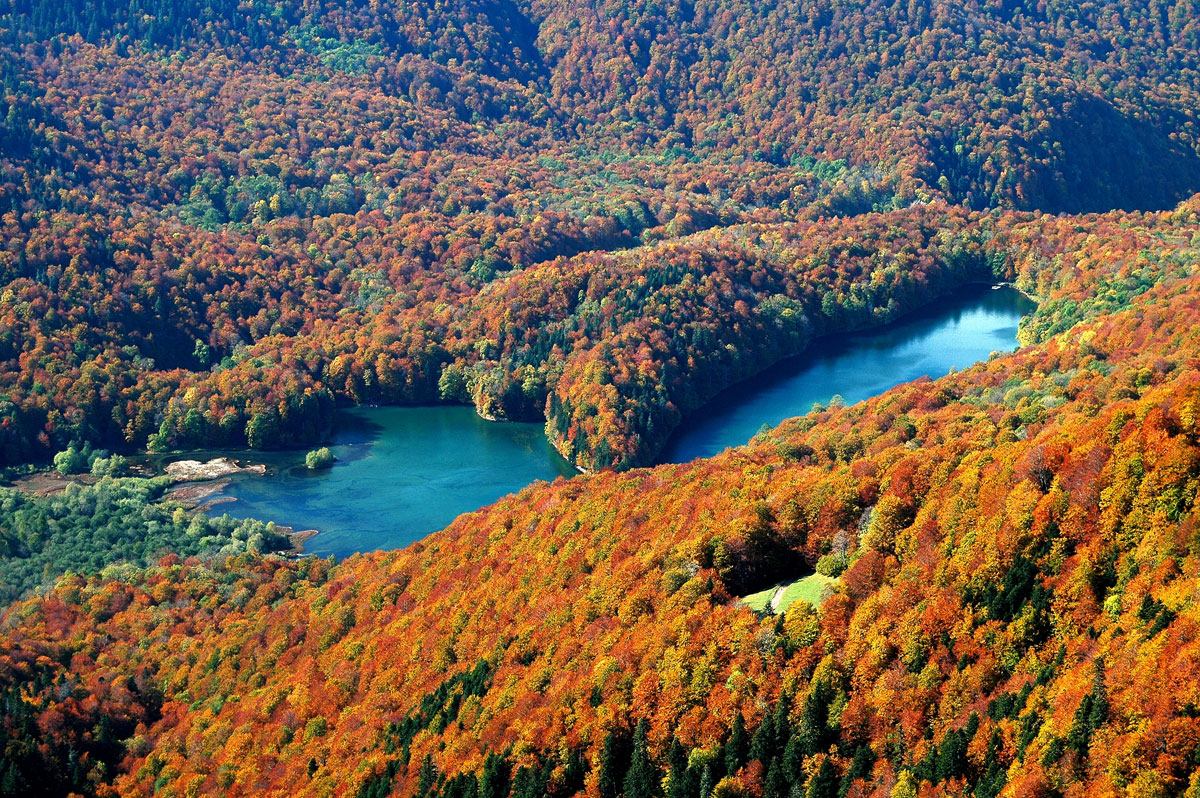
pixel 1017 614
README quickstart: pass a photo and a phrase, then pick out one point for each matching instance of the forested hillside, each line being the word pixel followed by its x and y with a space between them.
pixel 1014 611
pixel 220 220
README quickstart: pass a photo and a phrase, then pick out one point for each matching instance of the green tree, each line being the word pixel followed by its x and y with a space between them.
pixel 775 784
pixel 763 743
pixel 814 731
pixel 452 384
pixel 642 780
pixel 70 461
pixel 614 764
pixel 113 466
pixel 860 767
pixel 824 783
pixel 427 777
pixel 318 459
pixel 1091 714
pixel 202 353
pixel 261 431
pixel 735 746
pixel 679 778
pixel 494 782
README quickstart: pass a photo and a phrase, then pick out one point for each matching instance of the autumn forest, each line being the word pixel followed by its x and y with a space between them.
pixel 223 224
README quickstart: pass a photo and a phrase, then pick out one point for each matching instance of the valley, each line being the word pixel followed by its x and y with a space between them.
pixel 691 399
pixel 402 473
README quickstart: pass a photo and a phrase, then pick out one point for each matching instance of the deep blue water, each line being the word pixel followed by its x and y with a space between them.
pixel 956 332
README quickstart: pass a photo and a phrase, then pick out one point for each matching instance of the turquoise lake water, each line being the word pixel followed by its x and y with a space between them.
pixel 403 472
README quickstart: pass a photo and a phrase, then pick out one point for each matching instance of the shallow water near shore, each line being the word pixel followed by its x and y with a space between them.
pixel 401 473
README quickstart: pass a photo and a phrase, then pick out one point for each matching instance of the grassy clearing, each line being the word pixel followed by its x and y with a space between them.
pixel 809 588
pixel 759 601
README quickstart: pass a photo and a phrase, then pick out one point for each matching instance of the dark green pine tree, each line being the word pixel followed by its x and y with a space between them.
pixel 574 772
pixel 531 782
pixel 11 782
pixel 775 784
pixel 642 780
pixel 464 785
pixel 614 764
pixel 762 744
pixel 994 776
pixel 783 722
pixel 707 781
pixel 951 759
pixel 860 768
pixel 1091 715
pixel 427 777
pixel 494 781
pixel 793 760
pixel 680 782
pixel 824 783
pixel 735 746
pixel 814 720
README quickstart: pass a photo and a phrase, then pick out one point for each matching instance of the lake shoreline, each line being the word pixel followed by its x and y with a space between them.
pixel 963 299
pixel 402 472
pixel 696 415
pixel 349 502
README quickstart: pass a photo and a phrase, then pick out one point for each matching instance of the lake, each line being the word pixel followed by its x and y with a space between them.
pixel 404 472
pixel 401 473
pixel 962 329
